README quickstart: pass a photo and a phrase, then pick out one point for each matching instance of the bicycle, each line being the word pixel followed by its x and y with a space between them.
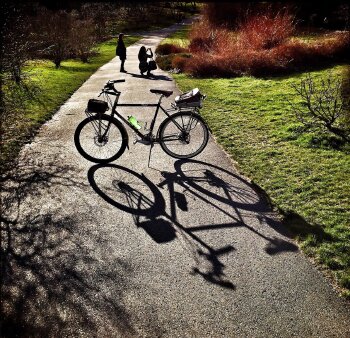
pixel 102 138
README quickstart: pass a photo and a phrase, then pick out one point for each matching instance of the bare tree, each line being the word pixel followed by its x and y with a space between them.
pixel 326 107
pixel 82 39
pixel 17 41
pixel 55 32
pixel 101 15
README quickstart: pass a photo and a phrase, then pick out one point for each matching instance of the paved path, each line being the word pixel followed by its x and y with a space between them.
pixel 179 249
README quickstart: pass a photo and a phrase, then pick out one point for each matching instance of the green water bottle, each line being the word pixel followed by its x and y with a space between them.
pixel 132 120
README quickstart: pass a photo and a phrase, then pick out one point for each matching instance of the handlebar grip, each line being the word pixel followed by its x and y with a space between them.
pixel 117 81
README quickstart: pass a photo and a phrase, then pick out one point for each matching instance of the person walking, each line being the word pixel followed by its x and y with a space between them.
pixel 121 52
pixel 143 56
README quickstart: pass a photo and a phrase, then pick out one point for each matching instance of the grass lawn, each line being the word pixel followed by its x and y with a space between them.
pixel 306 179
pixel 179 38
pixel 47 89
pixel 309 182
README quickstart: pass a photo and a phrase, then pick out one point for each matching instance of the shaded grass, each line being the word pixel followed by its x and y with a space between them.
pixel 308 182
pixel 43 91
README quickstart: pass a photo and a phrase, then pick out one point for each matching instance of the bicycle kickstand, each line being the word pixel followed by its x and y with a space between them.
pixel 149 156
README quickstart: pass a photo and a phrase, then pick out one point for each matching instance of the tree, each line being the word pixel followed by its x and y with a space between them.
pixel 55 34
pixel 82 39
pixel 18 42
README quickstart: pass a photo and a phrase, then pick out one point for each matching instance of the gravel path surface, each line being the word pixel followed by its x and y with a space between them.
pixel 190 249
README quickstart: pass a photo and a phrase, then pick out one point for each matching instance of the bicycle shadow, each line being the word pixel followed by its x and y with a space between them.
pixel 239 195
pixel 136 194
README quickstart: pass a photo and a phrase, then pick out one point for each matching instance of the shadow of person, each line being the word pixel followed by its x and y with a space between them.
pixel 151 77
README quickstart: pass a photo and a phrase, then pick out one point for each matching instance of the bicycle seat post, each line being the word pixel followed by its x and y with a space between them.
pixel 160 99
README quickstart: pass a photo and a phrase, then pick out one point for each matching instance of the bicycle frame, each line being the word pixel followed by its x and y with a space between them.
pixel 158 106
pixel 177 127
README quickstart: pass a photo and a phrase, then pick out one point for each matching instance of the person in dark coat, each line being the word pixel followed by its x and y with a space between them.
pixel 121 52
pixel 143 56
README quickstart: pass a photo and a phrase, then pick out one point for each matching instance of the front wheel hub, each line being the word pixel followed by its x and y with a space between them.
pixel 185 137
pixel 100 140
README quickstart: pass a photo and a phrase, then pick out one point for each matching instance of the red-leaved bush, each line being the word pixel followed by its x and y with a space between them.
pixel 265 31
pixel 293 55
pixel 262 45
pixel 169 48
pixel 207 38
pixel 179 62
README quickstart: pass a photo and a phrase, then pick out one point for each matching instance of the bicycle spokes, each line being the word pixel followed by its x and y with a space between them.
pixel 183 135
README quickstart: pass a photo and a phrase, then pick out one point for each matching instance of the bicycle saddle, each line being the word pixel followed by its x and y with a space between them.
pixel 166 93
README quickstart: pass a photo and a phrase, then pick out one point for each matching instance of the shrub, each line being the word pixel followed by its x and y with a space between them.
pixel 169 48
pixel 179 61
pixel 201 65
pixel 207 38
pixel 83 39
pixel 265 31
pixel 262 47
pixel 302 56
pixel 18 43
pixel 324 107
pixel 165 61
pixel 200 39
pixel 171 61
pixel 345 92
pixel 55 32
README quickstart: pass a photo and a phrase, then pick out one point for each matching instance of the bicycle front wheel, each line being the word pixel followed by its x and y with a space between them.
pixel 183 135
pixel 101 138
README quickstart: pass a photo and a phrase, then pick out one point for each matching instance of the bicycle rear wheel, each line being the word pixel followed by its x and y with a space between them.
pixel 183 135
pixel 101 138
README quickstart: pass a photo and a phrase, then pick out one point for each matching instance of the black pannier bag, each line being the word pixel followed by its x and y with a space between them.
pixel 193 98
pixel 97 106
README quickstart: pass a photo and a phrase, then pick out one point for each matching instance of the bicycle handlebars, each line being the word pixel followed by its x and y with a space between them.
pixel 110 86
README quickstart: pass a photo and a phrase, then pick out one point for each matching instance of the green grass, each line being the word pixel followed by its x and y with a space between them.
pixel 47 89
pixel 308 181
pixel 179 38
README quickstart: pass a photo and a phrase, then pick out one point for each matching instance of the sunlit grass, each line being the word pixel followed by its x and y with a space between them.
pixel 47 89
pixel 179 38
pixel 308 182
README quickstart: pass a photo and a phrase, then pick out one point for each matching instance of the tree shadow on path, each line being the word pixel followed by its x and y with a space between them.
pixel 48 274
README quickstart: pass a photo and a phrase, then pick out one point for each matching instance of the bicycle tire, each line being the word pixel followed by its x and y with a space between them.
pixel 187 141
pixel 93 143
